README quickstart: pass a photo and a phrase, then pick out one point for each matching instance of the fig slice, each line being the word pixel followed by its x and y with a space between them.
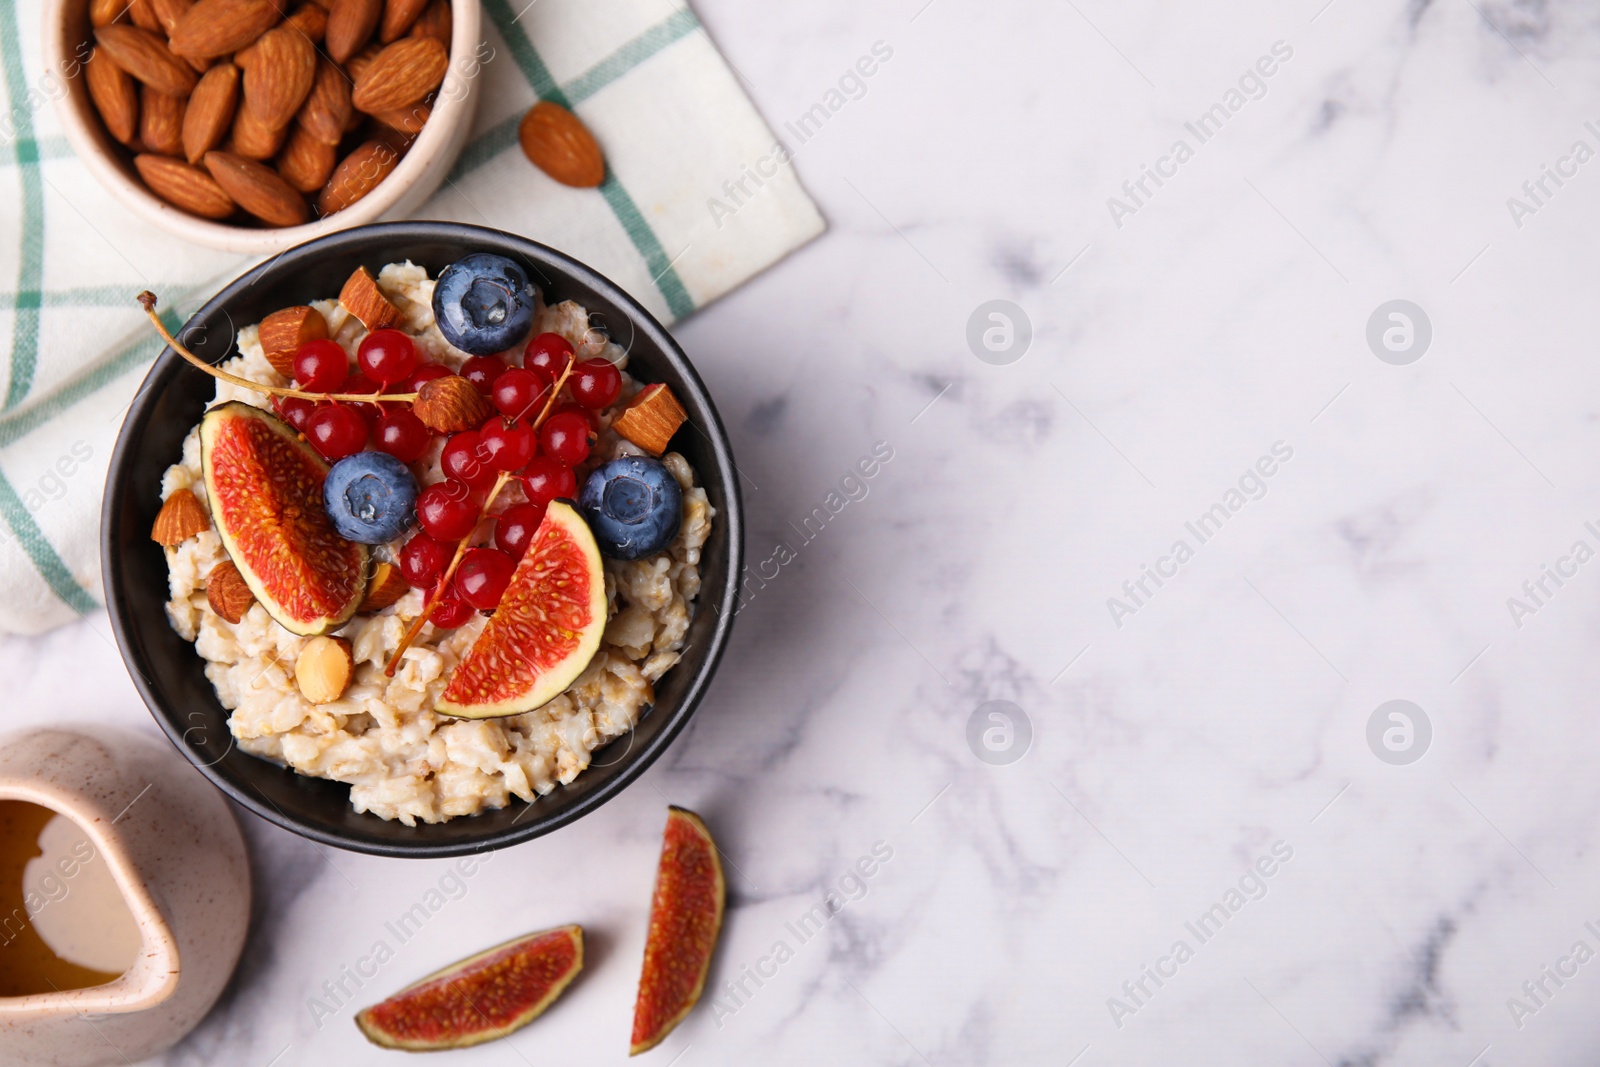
pixel 482 998
pixel 265 486
pixel 545 631
pixel 685 919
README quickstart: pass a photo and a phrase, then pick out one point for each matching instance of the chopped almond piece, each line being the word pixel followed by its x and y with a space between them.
pixel 387 586
pixel 651 418
pixel 363 299
pixel 181 517
pixel 283 332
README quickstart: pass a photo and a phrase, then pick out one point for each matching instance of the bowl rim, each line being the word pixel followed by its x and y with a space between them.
pixel 437 146
pixel 348 242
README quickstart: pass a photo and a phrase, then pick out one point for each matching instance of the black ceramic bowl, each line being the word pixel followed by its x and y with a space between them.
pixel 170 675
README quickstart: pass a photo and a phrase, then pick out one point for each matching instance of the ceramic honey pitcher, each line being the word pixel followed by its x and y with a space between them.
pixel 120 921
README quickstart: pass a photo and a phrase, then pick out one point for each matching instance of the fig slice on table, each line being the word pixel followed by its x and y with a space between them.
pixel 685 919
pixel 482 998
pixel 265 487
pixel 545 631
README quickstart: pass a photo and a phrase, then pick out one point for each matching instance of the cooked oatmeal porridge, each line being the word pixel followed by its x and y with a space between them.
pixel 382 737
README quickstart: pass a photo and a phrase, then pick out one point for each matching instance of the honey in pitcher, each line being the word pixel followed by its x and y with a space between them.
pixel 63 921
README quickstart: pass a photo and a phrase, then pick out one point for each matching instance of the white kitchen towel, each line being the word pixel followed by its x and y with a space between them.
pixel 682 218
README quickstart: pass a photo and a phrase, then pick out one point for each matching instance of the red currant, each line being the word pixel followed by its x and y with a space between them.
pixel 549 352
pixel 483 371
pixel 514 530
pixel 402 435
pixel 447 510
pixel 337 431
pixel 387 356
pixel 518 390
pixel 464 459
pixel 422 560
pixel 451 611
pixel 546 479
pixel 295 410
pixel 565 437
pixel 482 578
pixel 321 366
pixel 596 383
pixel 506 445
pixel 423 375
pixel 359 384
pixel 591 417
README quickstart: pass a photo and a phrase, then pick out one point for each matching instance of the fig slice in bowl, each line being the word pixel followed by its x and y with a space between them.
pixel 265 488
pixel 545 631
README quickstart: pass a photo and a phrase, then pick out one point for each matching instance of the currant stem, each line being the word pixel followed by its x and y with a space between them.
pixel 461 547
pixel 444 582
pixel 148 299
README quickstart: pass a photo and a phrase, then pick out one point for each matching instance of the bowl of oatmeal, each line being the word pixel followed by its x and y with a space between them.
pixel 377 766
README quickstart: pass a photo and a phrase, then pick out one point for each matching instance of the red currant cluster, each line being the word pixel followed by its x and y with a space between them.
pixel 473 461
pixel 387 362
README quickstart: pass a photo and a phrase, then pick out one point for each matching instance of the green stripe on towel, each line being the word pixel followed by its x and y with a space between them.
pixel 41 552
pixel 633 221
pixel 25 327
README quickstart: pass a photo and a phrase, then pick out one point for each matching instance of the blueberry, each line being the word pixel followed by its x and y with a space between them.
pixel 371 497
pixel 484 304
pixel 633 505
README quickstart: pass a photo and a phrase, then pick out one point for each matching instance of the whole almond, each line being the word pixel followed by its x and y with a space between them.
pixel 184 186
pixel 283 332
pixel 350 25
pixel 144 55
pixel 327 108
pixel 357 64
pixel 115 95
pixel 210 111
pixel 434 22
pixel 402 74
pixel 213 28
pixel 227 592
pixel 143 14
pixel 279 78
pixel 258 189
pixel 105 12
pixel 323 669
pixel 556 142
pixel 253 139
pixel 398 140
pixel 311 20
pixel 306 161
pixel 170 12
pixel 180 518
pixel 398 17
pixel 161 122
pixel 357 175
pixel 408 120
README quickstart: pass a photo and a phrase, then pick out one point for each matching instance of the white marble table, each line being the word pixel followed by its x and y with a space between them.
pixel 1032 911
